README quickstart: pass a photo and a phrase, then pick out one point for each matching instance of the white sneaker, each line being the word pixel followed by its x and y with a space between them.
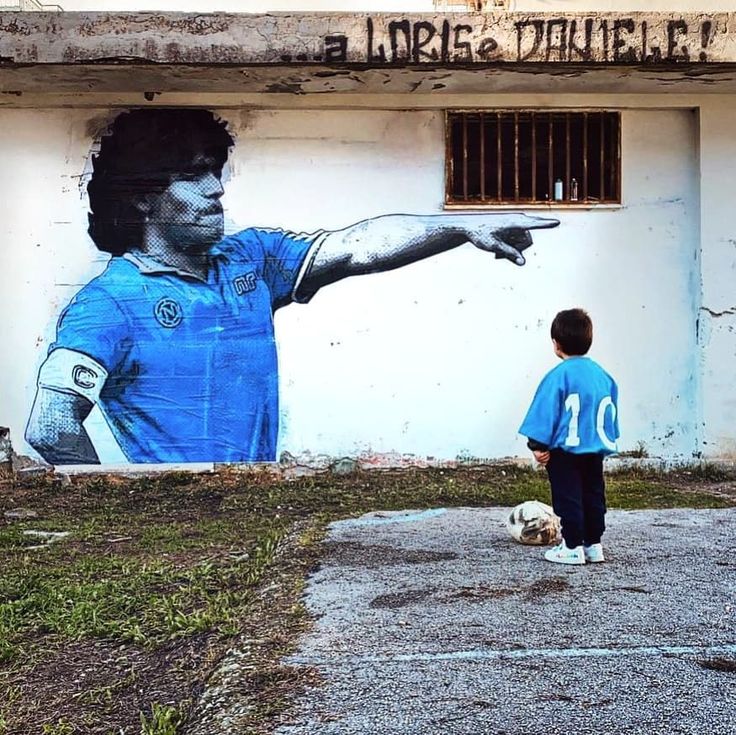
pixel 594 553
pixel 562 555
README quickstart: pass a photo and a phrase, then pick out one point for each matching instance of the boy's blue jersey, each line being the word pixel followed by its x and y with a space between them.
pixel 191 364
pixel 575 409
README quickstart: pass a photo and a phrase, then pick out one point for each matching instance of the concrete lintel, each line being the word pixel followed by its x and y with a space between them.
pixel 347 101
pixel 146 84
pixel 368 40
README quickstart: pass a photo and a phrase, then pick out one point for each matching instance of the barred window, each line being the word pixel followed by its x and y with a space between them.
pixel 533 157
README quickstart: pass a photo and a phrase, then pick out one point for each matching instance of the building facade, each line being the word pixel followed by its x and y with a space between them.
pixel 616 124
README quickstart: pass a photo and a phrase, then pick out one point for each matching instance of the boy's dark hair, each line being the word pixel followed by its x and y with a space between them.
pixel 573 331
pixel 140 154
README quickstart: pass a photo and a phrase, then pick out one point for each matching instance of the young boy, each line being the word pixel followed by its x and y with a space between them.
pixel 571 425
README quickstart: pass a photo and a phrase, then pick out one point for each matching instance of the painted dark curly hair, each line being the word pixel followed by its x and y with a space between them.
pixel 139 155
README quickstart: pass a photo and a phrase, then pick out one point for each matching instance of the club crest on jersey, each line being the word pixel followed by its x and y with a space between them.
pixel 245 283
pixel 168 313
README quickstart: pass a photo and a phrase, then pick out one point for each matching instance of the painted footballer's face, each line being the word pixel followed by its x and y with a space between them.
pixel 188 213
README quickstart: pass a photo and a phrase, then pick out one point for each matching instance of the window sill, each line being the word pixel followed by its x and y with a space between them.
pixel 523 206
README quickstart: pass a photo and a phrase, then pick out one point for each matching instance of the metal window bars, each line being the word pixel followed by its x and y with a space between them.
pixel 533 157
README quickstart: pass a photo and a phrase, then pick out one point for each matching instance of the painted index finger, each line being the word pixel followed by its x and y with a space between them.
pixel 532 222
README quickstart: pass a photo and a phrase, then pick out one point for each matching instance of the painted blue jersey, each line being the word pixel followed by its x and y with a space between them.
pixel 575 409
pixel 191 365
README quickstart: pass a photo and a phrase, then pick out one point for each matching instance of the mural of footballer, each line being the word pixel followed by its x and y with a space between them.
pixel 175 341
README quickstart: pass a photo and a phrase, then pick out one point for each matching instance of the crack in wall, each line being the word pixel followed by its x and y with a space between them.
pixel 725 312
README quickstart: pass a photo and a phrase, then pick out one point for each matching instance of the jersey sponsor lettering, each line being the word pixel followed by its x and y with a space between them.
pixel 245 284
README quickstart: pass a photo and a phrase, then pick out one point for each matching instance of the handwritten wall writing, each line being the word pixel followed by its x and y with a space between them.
pixel 565 39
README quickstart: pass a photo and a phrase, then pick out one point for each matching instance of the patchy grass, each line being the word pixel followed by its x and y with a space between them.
pixel 148 593
pixel 164 720
pixel 115 628
pixel 635 494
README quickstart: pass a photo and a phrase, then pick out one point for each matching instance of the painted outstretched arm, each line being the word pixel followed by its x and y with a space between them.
pixel 56 428
pixel 394 240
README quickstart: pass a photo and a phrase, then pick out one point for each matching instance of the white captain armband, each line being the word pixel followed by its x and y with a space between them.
pixel 70 371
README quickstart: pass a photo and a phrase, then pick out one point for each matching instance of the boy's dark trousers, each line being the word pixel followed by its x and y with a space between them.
pixel 578 495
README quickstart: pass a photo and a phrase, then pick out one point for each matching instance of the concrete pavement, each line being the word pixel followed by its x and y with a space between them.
pixel 435 621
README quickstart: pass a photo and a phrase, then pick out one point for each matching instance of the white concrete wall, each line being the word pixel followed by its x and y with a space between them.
pixel 440 358
pixel 718 313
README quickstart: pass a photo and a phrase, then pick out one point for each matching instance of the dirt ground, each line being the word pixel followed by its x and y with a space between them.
pixel 118 626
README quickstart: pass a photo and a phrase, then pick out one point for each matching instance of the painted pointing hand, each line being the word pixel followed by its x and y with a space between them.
pixel 506 235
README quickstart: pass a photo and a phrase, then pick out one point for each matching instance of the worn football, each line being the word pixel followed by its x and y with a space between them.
pixel 534 523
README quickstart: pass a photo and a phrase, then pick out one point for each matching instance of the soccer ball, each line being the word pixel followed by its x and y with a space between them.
pixel 534 523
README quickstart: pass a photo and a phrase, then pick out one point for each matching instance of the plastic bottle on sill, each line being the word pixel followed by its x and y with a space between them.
pixel 558 190
pixel 573 190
